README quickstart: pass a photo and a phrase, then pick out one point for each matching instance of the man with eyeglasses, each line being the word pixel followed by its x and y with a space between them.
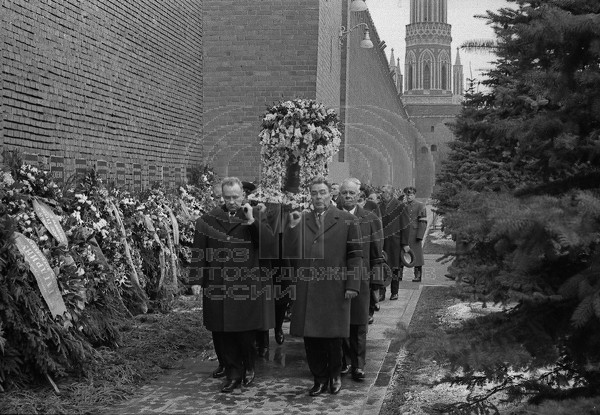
pixel 225 257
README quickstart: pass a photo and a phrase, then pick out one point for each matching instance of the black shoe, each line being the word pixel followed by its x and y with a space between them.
pixel 263 351
pixel 279 336
pixel 248 377
pixel 345 369
pixel 371 319
pixel 358 375
pixel 394 297
pixel 231 385
pixel 336 385
pixel 377 307
pixel 416 279
pixel 317 389
pixel 219 372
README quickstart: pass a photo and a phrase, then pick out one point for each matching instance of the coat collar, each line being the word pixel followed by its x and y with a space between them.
pixel 360 212
pixel 391 205
pixel 228 223
pixel 332 214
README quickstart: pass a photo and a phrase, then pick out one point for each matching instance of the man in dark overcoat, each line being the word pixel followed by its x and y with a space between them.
pixel 417 224
pixel 236 289
pixel 355 346
pixel 395 233
pixel 327 255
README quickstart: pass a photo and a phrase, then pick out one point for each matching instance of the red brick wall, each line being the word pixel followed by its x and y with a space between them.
pixel 381 144
pixel 257 53
pixel 119 81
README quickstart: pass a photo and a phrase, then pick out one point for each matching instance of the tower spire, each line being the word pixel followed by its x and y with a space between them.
pixel 392 60
pixel 457 57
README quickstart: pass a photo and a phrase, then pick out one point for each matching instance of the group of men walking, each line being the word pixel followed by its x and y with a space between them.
pixel 328 259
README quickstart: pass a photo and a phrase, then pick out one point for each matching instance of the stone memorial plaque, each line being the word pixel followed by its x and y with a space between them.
pixel 137 177
pixel 57 168
pixel 81 166
pixel 120 166
pixel 102 169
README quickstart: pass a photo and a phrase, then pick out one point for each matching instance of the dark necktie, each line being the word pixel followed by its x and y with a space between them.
pixel 319 217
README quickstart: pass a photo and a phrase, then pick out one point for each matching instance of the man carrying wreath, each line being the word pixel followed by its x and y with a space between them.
pixel 324 245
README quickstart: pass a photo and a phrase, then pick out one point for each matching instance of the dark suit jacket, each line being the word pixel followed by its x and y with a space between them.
pixel 417 224
pixel 237 293
pixel 372 245
pixel 395 230
pixel 328 261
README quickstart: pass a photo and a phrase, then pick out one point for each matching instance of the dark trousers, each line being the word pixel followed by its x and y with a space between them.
pixel 396 278
pixel 281 305
pixel 324 356
pixel 373 300
pixel 237 352
pixel 262 339
pixel 355 346
pixel 218 343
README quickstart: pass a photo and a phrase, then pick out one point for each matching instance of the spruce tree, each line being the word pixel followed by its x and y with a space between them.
pixel 521 193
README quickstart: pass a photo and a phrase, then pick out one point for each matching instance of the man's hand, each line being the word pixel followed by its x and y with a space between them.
pixel 248 212
pixel 406 248
pixel 261 207
pixel 350 294
pixel 295 217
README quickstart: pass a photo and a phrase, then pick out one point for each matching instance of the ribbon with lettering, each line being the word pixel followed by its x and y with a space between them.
pixel 50 221
pixel 39 266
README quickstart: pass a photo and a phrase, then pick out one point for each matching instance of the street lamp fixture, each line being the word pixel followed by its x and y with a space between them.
pixel 358 6
pixel 365 43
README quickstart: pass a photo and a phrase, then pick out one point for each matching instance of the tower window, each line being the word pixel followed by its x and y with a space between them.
pixel 433 146
pixel 432 128
pixel 444 77
pixel 424 149
pixel 426 77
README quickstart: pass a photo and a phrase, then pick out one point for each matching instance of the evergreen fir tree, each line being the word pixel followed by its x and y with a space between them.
pixel 521 194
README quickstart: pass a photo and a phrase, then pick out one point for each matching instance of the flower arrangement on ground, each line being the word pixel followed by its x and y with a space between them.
pixel 109 252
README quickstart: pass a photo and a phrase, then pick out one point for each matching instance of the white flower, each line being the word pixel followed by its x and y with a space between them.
pixel 7 179
pixel 81 198
pixel 100 224
pixel 77 216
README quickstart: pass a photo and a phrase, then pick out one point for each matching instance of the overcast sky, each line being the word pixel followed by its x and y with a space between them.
pixel 392 16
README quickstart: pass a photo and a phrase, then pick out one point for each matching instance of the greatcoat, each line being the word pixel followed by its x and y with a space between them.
pixel 372 245
pixel 327 262
pixel 417 224
pixel 395 230
pixel 237 288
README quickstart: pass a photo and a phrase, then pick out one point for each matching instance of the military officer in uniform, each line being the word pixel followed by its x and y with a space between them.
pixel 417 223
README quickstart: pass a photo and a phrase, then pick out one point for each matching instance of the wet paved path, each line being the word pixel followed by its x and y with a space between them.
pixel 283 379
